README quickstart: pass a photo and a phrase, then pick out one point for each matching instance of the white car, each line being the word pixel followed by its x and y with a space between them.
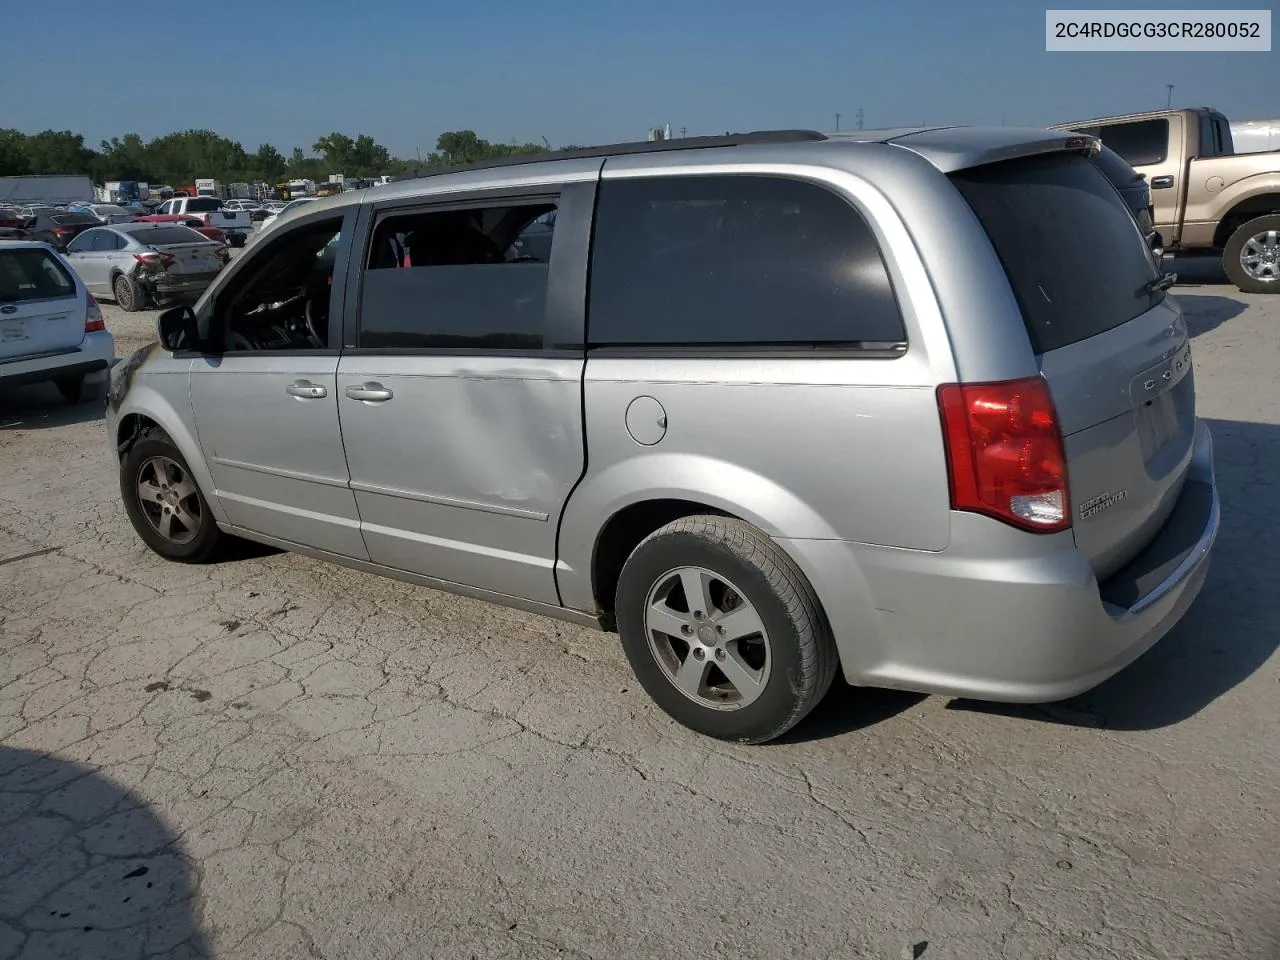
pixel 291 205
pixel 50 326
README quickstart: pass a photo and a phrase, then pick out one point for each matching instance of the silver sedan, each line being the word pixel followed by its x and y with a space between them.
pixel 137 263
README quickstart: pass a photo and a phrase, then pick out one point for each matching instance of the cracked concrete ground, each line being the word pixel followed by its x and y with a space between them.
pixel 276 758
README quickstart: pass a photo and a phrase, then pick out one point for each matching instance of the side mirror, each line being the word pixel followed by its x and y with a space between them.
pixel 176 329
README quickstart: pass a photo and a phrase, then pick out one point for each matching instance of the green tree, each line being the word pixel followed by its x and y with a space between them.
pixel 13 153
pixel 58 151
pixel 268 164
pixel 123 159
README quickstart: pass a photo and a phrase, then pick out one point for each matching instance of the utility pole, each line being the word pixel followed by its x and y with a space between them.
pixel 837 121
pixel 1168 104
pixel 859 118
pixel 683 130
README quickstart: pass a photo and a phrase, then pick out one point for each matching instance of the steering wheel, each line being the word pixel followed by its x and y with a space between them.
pixel 310 321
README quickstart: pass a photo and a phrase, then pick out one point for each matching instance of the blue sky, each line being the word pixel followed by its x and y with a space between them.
pixel 286 72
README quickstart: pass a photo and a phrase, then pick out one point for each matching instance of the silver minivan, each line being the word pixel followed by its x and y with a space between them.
pixel 911 404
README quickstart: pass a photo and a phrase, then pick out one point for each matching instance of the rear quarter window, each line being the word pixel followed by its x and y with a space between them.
pixel 1073 253
pixel 742 261
pixel 33 275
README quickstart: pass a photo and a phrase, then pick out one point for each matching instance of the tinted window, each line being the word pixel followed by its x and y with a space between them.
pixel 203 204
pixel 735 260
pixel 104 241
pixel 1140 143
pixel 167 234
pixel 1208 137
pixel 32 275
pixel 75 219
pixel 455 279
pixel 1075 260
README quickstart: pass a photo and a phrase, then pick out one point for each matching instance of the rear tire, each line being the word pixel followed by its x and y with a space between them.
pixel 237 240
pixel 745 659
pixel 167 508
pixel 129 295
pixel 1251 257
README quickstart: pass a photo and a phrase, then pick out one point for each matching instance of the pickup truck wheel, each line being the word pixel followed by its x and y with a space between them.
pixel 129 295
pixel 723 630
pixel 1251 257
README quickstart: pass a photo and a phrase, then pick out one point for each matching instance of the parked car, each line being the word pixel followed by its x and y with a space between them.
pixel 285 208
pixel 105 212
pixel 1207 197
pixel 1134 191
pixel 236 224
pixel 50 326
pixel 840 403
pixel 12 224
pixel 195 223
pixel 138 263
pixel 58 228
pixel 255 209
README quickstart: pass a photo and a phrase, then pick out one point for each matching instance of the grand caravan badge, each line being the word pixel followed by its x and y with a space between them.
pixel 1101 502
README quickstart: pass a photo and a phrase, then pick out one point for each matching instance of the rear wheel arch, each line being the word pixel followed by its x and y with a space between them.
pixel 1241 213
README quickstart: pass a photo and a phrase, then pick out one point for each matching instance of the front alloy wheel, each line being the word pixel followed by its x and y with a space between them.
pixel 169 500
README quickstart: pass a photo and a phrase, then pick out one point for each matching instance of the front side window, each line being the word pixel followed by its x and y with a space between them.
pixel 473 278
pixel 735 260
pixel 282 300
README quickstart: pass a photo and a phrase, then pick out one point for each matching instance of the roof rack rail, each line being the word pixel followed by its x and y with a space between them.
pixel 622 149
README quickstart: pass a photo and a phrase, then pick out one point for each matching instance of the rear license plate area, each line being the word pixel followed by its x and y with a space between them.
pixel 1165 426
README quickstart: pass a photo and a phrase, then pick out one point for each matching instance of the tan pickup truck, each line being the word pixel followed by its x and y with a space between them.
pixel 1206 196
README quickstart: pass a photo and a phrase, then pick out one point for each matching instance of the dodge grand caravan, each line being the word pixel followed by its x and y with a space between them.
pixel 914 405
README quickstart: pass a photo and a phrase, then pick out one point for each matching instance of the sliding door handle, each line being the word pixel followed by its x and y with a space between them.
pixel 370 393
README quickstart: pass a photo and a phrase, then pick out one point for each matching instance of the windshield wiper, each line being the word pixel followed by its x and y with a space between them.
pixel 1160 283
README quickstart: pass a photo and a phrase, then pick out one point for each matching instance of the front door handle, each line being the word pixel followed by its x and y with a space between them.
pixel 370 393
pixel 1161 183
pixel 306 390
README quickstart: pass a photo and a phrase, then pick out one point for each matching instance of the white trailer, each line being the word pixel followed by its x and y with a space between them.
pixel 52 188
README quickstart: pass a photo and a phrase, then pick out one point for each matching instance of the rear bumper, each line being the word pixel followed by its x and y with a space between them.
pixel 1006 615
pixel 178 286
pixel 91 359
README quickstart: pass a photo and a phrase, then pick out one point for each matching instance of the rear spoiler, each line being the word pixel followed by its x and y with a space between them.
pixel 959 148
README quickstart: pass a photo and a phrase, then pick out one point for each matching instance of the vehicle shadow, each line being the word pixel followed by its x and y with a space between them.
pixel 1231 630
pixel 846 709
pixel 39 406
pixel 1205 312
pixel 1194 271
pixel 88 870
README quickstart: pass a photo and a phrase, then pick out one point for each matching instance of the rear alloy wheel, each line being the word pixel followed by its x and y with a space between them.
pixel 1251 257
pixel 165 504
pixel 723 630
pixel 129 295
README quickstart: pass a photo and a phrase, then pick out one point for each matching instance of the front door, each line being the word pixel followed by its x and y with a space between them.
pixel 463 427
pixel 266 402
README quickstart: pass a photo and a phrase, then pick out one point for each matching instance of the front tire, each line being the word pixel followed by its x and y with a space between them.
pixel 723 630
pixel 129 295
pixel 1251 257
pixel 165 505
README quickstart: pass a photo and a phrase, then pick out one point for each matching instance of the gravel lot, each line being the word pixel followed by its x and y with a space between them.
pixel 276 758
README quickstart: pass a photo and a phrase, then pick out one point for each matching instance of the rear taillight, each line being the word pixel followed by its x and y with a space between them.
pixel 93 322
pixel 154 259
pixel 223 254
pixel 1005 454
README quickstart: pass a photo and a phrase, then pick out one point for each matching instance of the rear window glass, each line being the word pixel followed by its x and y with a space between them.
pixel 1115 169
pixel 33 275
pixel 163 235
pixel 1075 259
pixel 203 204
pixel 71 219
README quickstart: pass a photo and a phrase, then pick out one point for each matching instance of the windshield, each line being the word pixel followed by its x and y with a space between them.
pixel 168 234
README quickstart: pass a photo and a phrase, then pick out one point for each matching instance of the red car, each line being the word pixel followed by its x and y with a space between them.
pixel 196 224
